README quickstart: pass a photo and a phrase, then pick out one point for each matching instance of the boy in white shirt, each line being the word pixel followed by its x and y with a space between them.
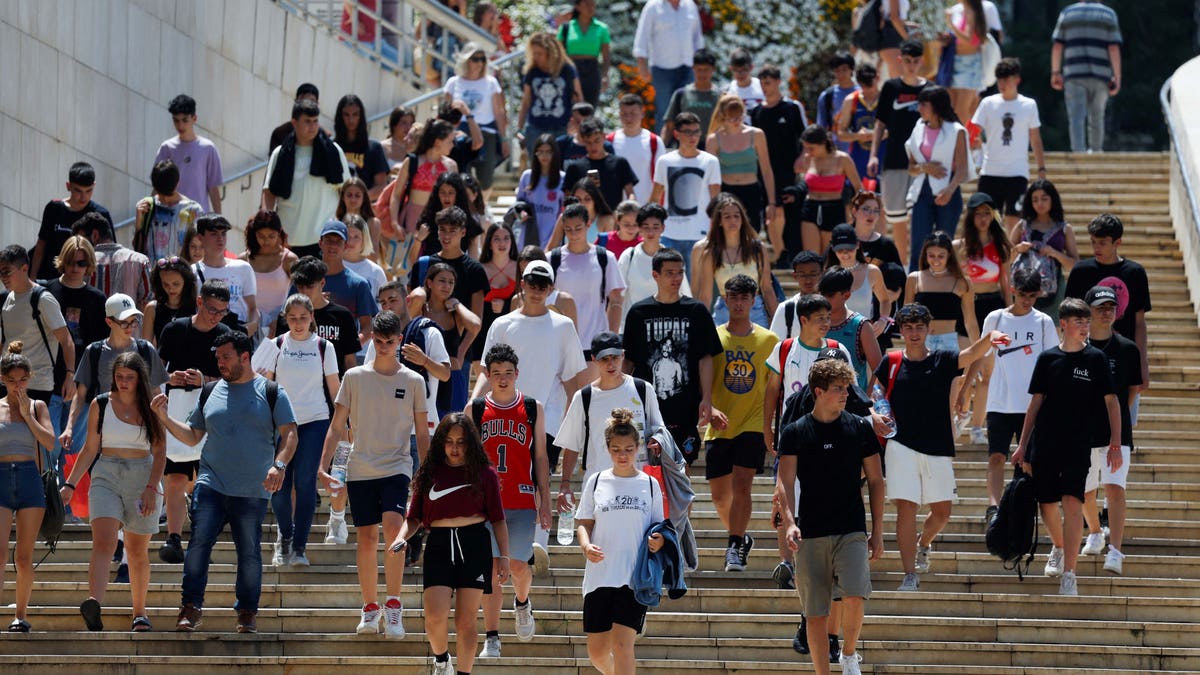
pixel 636 261
pixel 744 85
pixel 640 147
pixel 1011 126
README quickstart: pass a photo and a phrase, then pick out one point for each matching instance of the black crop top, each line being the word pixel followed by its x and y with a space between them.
pixel 944 306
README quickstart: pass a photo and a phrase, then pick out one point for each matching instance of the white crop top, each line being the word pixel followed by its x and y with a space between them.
pixel 120 434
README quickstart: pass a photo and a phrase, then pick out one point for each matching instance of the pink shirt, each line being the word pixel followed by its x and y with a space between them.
pixel 928 140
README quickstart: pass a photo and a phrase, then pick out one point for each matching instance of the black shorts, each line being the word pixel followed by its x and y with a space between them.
pixel 458 557
pixel 552 453
pixel 369 499
pixel 606 606
pixel 986 303
pixel 189 469
pixel 891 37
pixel 1052 482
pixel 1007 191
pixel 747 450
pixel 687 438
pixel 1002 430
pixel 827 213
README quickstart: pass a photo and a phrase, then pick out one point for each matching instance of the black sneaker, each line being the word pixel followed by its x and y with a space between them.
pixel 800 641
pixel 120 552
pixel 835 650
pixel 172 551
pixel 784 575
pixel 990 515
pixel 122 575
pixel 745 548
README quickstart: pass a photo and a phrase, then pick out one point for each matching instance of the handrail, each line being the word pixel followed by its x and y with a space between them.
pixel 1165 102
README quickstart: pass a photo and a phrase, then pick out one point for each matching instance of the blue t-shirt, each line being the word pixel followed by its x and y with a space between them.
pixel 239 448
pixel 352 291
pixel 827 109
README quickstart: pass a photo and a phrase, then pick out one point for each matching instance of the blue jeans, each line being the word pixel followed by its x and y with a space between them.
pixel 666 81
pixel 460 383
pixel 211 510
pixel 1086 100
pixel 928 217
pixel 302 474
pixel 684 246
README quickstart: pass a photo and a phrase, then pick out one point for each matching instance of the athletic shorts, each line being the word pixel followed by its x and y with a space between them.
pixel 1052 482
pixel 1099 473
pixel 189 469
pixel 826 213
pixel 1007 191
pixel 893 183
pixel 116 492
pixel 747 450
pixel 832 566
pixel 522 523
pixel 370 499
pixel 606 606
pixel 458 557
pixel 917 477
pixel 687 439
pixel 1002 430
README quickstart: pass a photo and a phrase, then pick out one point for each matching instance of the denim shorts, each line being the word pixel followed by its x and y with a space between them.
pixel 116 492
pixel 968 71
pixel 21 486
pixel 522 525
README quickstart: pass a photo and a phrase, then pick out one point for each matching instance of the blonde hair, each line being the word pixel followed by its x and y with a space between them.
pixel 556 55
pixel 359 223
pixel 727 103
pixel 73 245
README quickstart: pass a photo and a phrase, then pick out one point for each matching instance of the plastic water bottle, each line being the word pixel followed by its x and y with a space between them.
pixel 566 526
pixel 880 405
pixel 341 457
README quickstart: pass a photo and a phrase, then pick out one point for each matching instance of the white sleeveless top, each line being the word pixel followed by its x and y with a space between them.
pixel 120 434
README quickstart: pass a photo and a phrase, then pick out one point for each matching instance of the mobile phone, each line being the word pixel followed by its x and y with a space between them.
pixel 396 548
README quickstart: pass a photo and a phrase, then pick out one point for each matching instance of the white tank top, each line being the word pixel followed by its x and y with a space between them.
pixel 120 434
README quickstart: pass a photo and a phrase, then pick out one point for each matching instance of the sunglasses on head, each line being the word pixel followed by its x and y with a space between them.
pixel 173 260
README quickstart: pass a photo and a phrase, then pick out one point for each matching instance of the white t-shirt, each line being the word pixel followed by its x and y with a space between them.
pixel 779 321
pixel 1006 125
pixel 623 509
pixel 239 275
pixel 752 95
pixel 636 151
pixel 580 275
pixel 477 94
pixel 549 354
pixel 367 269
pixel 685 182
pixel 312 202
pixel 300 371
pixel 636 268
pixel 570 433
pixel 1008 390
pixel 886 10
pixel 799 360
pixel 435 348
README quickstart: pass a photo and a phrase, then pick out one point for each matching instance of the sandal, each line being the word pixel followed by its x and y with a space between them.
pixel 90 610
pixel 19 626
pixel 141 624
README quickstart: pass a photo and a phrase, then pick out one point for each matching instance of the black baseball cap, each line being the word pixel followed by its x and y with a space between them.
pixel 979 199
pixel 832 353
pixel 1098 295
pixel 605 344
pixel 843 238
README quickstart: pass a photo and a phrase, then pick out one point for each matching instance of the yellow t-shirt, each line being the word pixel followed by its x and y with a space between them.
pixel 740 380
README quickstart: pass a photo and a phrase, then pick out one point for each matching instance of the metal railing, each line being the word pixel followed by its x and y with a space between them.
pixel 1181 162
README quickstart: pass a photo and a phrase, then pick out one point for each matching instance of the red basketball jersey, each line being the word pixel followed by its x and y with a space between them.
pixel 507 434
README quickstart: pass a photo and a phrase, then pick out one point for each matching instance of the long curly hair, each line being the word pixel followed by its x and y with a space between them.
pixel 476 459
pixel 748 241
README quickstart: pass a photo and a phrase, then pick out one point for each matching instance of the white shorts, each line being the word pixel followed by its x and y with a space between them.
pixel 1099 473
pixel 918 478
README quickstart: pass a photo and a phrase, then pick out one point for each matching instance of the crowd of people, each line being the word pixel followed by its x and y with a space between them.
pixel 623 315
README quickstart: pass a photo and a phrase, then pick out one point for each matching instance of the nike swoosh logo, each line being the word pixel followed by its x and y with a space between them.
pixel 897 105
pixel 436 494
pixel 1002 352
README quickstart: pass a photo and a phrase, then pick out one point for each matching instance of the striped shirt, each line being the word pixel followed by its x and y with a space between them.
pixel 122 270
pixel 1085 30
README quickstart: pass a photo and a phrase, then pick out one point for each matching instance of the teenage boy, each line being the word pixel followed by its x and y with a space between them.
pixel 636 261
pixel 163 218
pixel 782 121
pixel 671 341
pixel 616 177
pixel 334 322
pixel 1011 126
pixel 512 427
pixel 856 122
pixel 384 403
pixel 238 275
pixel 896 115
pixel 685 181
pixel 597 287
pixel 639 147
pixel 1124 362
pixel 920 457
pixel 344 285
pixel 1073 392
pixel 118 269
pixel 307 91
pixel 1124 276
pixel 61 214
pixel 1033 332
pixel 31 314
pixel 744 85
pixel 698 98
pixel 829 102
pixel 570 144
pixel 828 451
pixel 734 452
pixel 806 272
pixel 197 158
pixel 847 327
pixel 186 349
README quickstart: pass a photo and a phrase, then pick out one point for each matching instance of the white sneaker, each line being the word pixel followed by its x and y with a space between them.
pixel 1094 544
pixel 850 664
pixel 336 532
pixel 299 559
pixel 443 667
pixel 541 560
pixel 922 563
pixel 283 553
pixel 369 625
pixel 1114 561
pixel 911 582
pixel 978 436
pixel 491 648
pixel 526 628
pixel 393 622
pixel 1067 585
pixel 1054 563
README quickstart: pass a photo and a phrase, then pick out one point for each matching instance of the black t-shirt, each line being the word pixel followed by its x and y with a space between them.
pixel 615 174
pixel 462 153
pixel 1125 364
pixel 665 342
pixel 921 401
pixel 181 346
pixel 470 276
pixel 366 165
pixel 1072 419
pixel 568 149
pixel 57 220
pixel 897 109
pixel 1125 277
pixel 829 459
pixel 337 325
pixel 782 125
pixel 83 310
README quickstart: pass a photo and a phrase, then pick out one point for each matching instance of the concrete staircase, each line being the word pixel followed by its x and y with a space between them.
pixel 969 617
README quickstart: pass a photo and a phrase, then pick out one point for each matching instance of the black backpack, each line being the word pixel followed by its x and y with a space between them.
pixel 92 353
pixel 35 300
pixel 585 398
pixel 272 396
pixel 868 35
pixel 1013 532
pixel 414 333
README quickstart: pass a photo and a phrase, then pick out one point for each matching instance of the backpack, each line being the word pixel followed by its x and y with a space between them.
pixel 1044 266
pixel 272 396
pixel 322 343
pixel 479 404
pixel 585 398
pixel 868 34
pixel 785 348
pixel 35 299
pixel 827 106
pixel 380 207
pixel 92 353
pixel 601 259
pixel 414 333
pixel 789 315
pixel 1013 532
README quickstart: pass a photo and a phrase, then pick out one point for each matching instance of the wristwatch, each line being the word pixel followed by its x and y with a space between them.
pixel 281 465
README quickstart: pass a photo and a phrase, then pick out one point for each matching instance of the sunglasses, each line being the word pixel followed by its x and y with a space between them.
pixel 81 264
pixel 480 58
pixel 173 260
